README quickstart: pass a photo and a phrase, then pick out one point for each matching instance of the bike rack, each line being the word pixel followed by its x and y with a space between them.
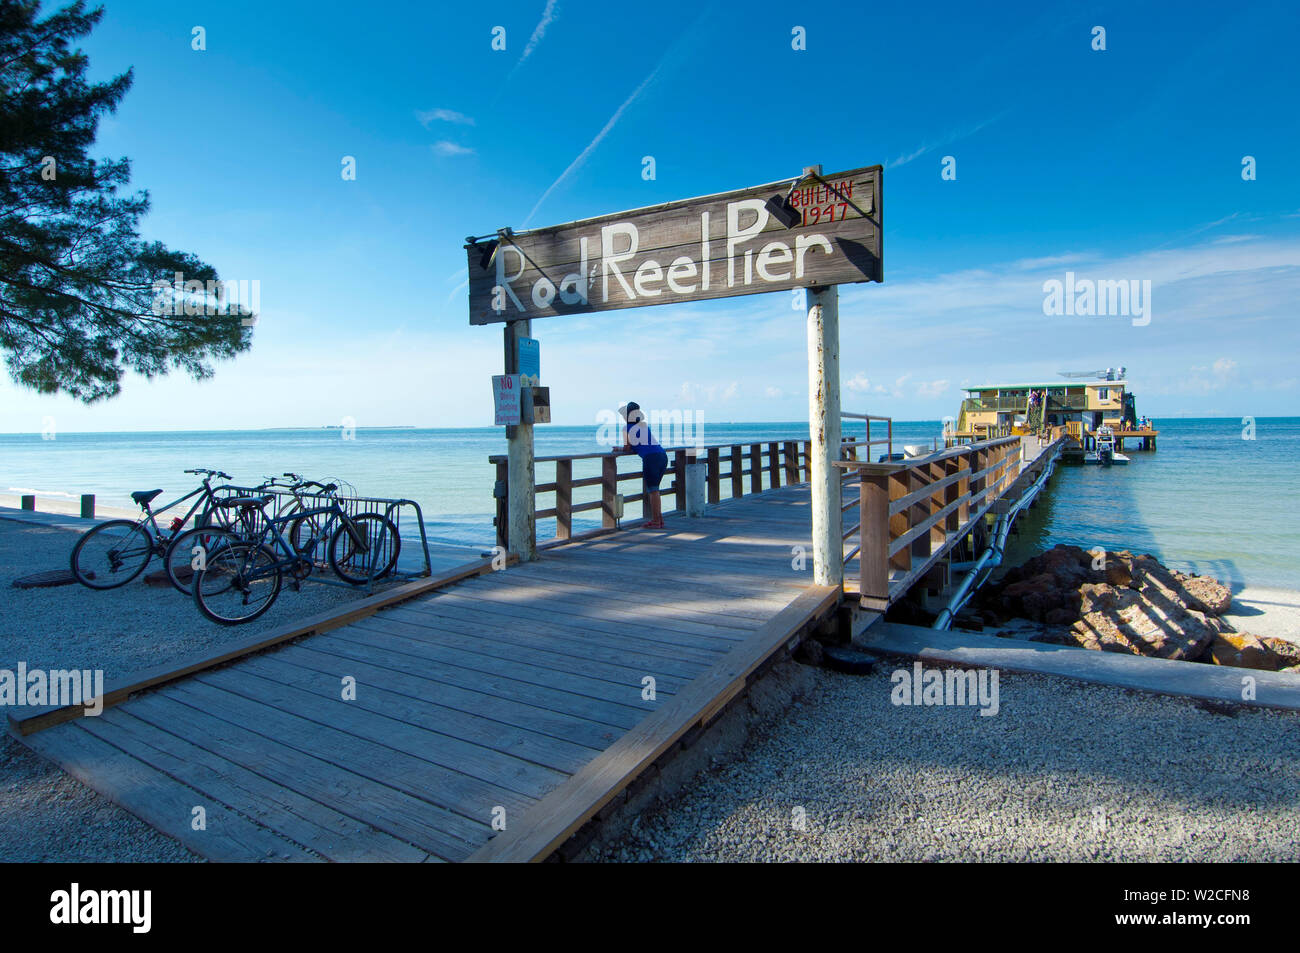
pixel 353 506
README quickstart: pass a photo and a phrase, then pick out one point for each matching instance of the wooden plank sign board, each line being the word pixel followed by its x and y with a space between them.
pixel 717 246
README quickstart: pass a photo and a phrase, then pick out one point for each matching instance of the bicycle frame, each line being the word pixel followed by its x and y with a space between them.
pixel 150 518
pixel 292 556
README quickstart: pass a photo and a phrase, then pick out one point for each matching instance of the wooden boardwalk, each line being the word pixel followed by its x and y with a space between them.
pixel 520 697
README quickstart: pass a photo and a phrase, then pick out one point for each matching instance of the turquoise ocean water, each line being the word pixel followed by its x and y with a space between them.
pixel 1207 501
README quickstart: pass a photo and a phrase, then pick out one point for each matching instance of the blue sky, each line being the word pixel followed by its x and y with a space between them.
pixel 1117 164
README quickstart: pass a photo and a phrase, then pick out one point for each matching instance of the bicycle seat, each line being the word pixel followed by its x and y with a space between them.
pixel 246 502
pixel 145 496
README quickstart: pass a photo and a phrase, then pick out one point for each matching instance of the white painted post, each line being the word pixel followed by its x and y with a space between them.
pixel 824 431
pixel 696 495
pixel 520 470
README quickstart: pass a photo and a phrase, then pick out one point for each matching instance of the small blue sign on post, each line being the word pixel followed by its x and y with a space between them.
pixel 530 361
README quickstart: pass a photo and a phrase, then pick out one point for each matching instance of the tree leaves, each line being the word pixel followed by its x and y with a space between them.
pixel 79 289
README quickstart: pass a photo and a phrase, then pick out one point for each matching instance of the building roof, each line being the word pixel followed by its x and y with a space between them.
pixel 1040 384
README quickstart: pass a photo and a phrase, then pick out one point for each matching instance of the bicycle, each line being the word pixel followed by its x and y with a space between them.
pixel 116 551
pixel 240 581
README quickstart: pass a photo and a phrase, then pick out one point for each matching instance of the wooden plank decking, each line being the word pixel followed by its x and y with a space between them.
pixel 517 694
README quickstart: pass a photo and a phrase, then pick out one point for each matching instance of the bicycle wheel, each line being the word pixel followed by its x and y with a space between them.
pixel 353 563
pixel 304 529
pixel 111 554
pixel 238 584
pixel 183 552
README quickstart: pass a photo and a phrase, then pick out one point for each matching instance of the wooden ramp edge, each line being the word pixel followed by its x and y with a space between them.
pixel 1219 683
pixel 119 690
pixel 560 814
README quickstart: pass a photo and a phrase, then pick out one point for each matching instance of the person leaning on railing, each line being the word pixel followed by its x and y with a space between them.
pixel 654 461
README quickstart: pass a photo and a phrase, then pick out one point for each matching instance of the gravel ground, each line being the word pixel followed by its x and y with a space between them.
pixel 1064 771
pixel 45 814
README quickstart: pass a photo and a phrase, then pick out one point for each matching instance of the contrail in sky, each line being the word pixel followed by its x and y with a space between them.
pixel 539 31
pixel 591 147
pixel 950 138
pixel 674 52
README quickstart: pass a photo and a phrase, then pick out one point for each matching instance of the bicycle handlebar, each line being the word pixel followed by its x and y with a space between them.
pixel 212 473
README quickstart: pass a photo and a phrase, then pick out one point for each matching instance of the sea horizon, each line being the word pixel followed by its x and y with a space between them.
pixel 359 427
pixel 1168 502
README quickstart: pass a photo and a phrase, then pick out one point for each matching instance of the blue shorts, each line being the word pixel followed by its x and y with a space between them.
pixel 652 471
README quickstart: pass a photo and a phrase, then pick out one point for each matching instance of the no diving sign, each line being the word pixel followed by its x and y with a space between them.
pixel 505 395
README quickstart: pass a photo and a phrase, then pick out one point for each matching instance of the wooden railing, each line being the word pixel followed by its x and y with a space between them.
pixel 867 443
pixel 909 512
pixel 749 468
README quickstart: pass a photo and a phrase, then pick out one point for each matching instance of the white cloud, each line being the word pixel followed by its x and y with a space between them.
pixel 931 388
pixel 445 148
pixel 858 383
pixel 430 116
pixel 696 395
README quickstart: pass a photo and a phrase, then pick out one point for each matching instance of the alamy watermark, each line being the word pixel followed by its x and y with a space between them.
pixel 671 428
pixel 947 687
pixel 1103 297
pixel 63 687
pixel 194 297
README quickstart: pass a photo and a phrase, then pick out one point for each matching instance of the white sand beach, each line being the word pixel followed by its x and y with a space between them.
pixel 1266 611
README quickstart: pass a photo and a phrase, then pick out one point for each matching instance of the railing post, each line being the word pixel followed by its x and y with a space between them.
pixel 608 491
pixel 773 462
pixel 563 499
pixel 88 506
pixel 679 478
pixel 756 468
pixel 899 485
pixel 715 492
pixel 962 487
pixel 873 541
pixel 977 483
pixel 951 494
pixel 938 532
pixel 918 512
pixel 807 461
pixel 737 471
pixel 502 493
pixel 792 463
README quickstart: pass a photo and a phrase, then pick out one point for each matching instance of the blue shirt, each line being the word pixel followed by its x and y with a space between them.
pixel 641 440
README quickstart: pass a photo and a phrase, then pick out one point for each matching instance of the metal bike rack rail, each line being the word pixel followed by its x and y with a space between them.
pixel 285 501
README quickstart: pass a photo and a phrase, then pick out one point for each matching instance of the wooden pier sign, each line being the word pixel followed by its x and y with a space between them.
pixel 734 243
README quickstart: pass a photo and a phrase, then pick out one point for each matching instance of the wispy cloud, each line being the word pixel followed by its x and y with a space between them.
pixel 952 137
pixel 445 148
pixel 539 33
pixel 455 292
pixel 673 53
pixel 429 116
pixel 581 160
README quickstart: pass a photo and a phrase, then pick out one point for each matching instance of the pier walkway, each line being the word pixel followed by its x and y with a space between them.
pixel 489 715
pixel 528 697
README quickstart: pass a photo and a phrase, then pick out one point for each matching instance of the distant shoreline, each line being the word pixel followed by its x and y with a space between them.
pixel 898 422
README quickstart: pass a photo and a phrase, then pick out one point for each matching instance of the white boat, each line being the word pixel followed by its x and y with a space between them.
pixel 1105 453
